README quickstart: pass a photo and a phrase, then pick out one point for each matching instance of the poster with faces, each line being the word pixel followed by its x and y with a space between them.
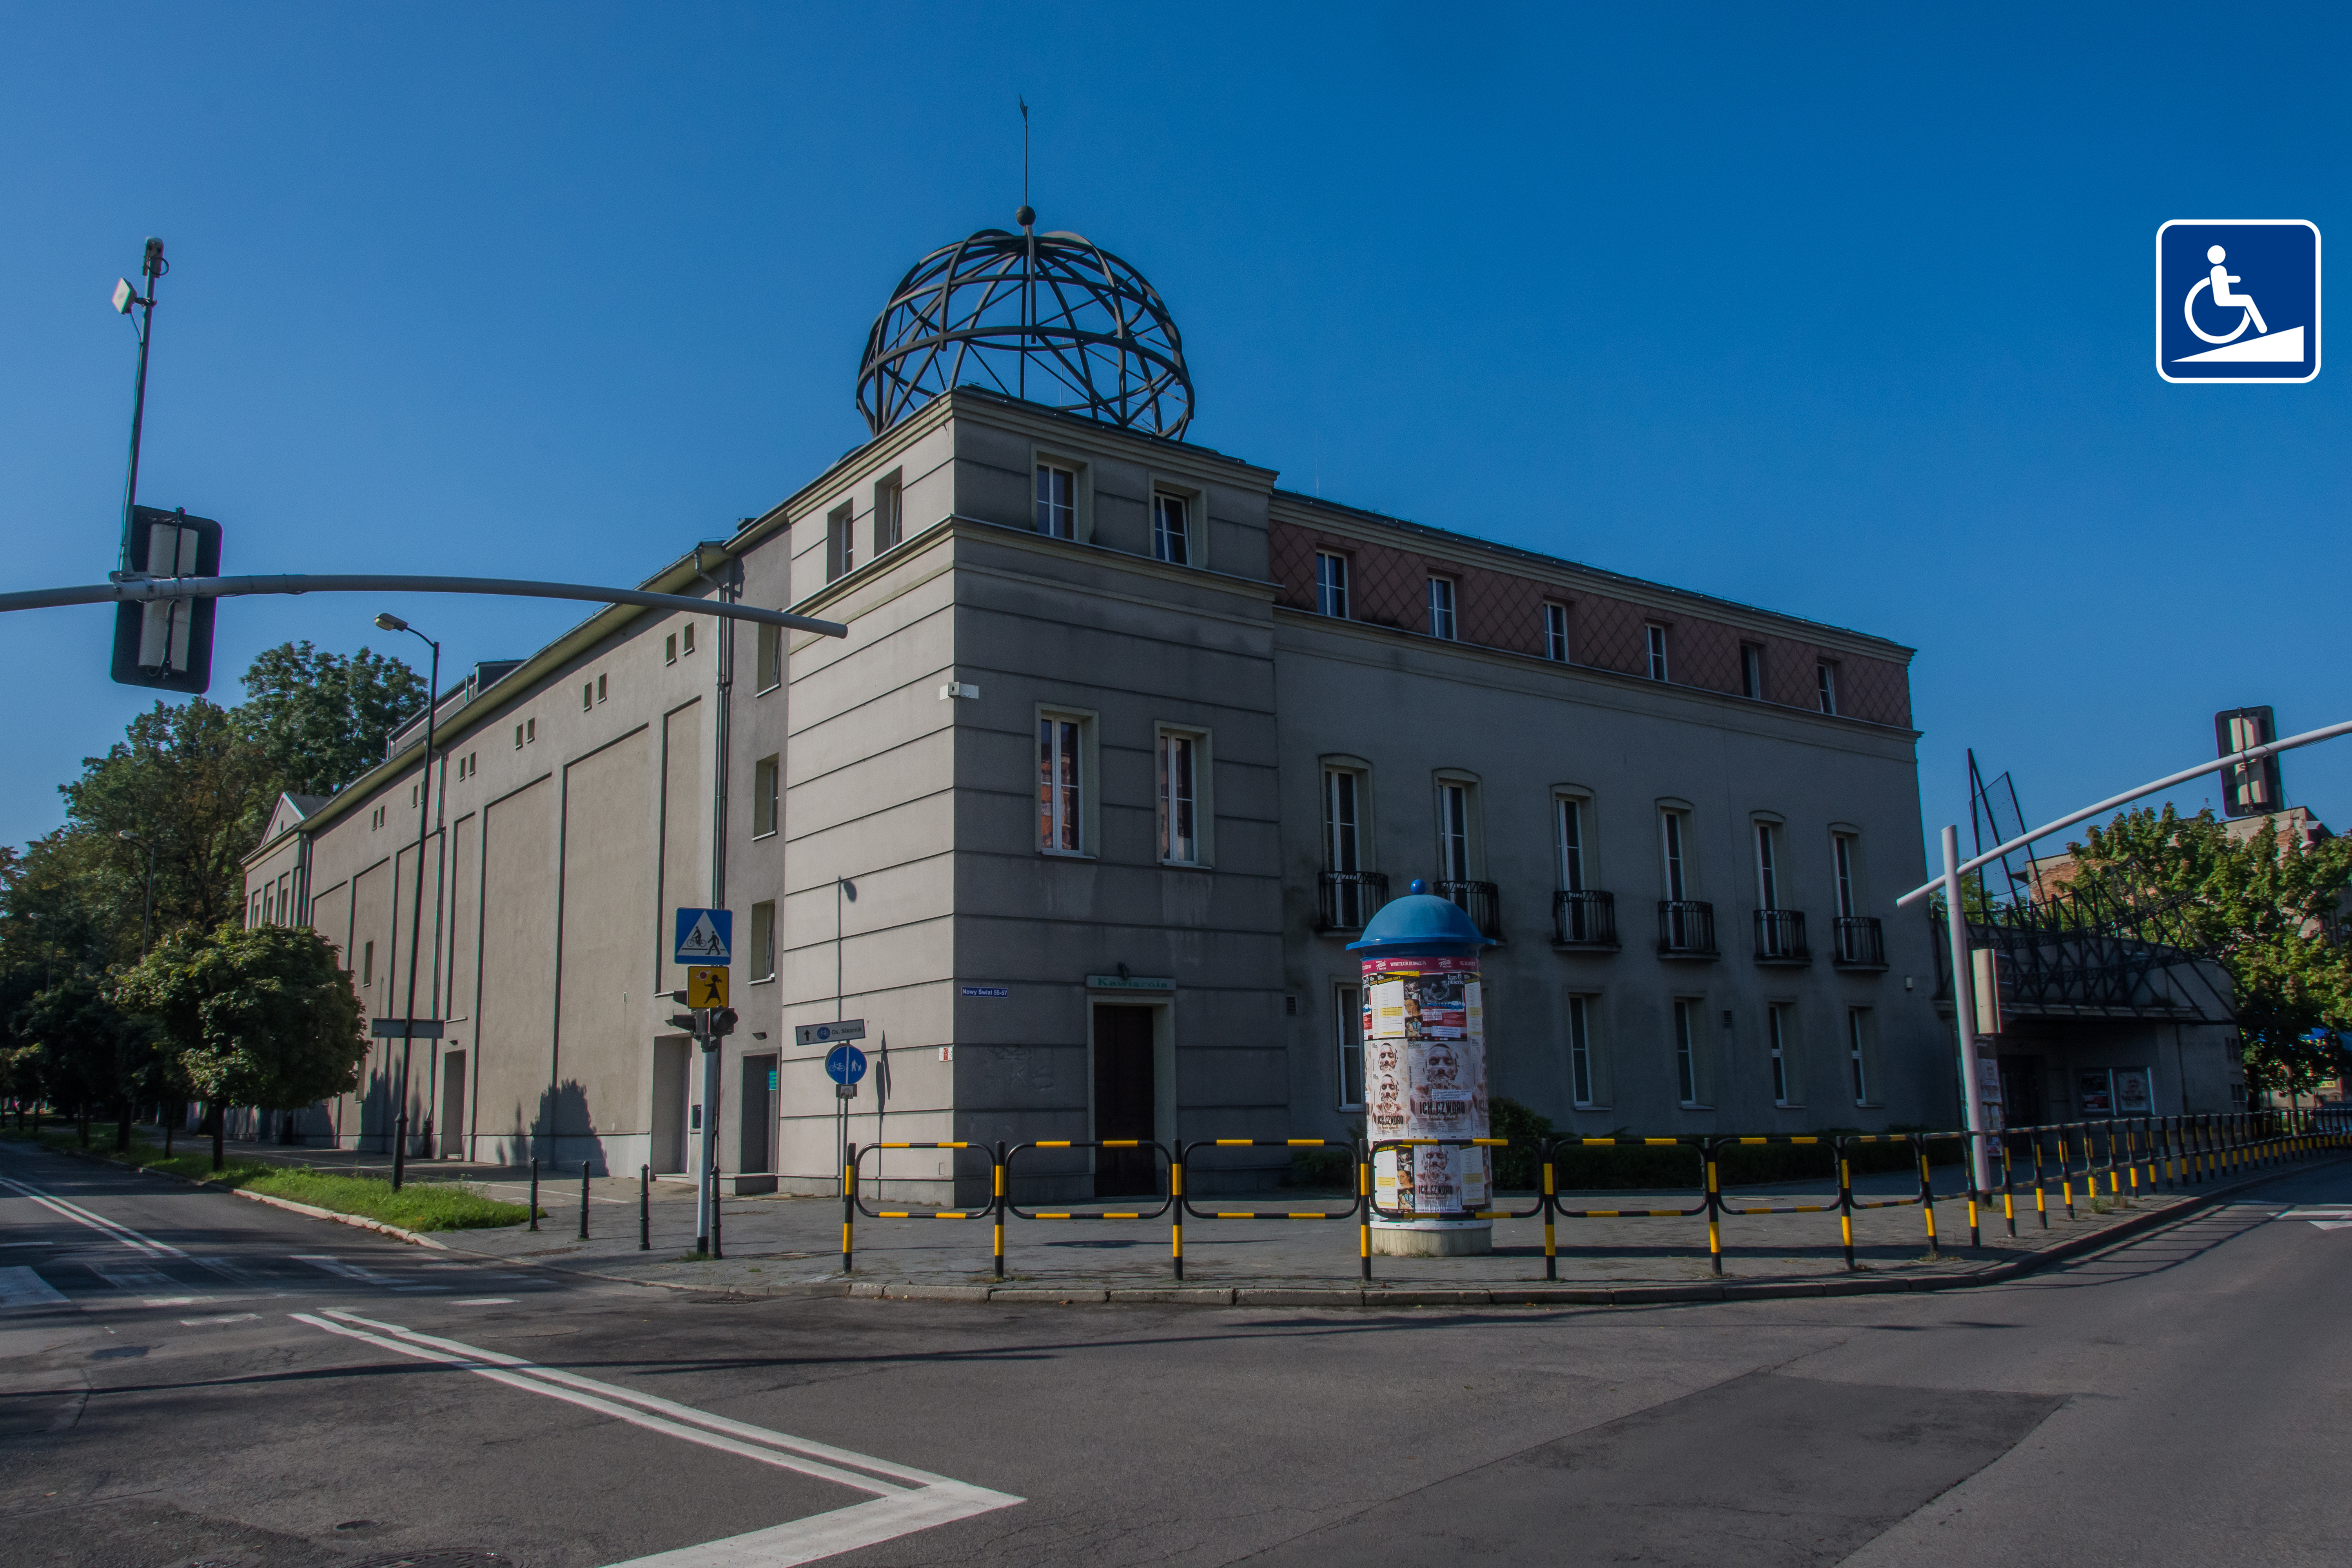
pixel 1425 1039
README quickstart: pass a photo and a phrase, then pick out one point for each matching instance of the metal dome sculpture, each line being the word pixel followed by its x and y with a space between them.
pixel 1051 318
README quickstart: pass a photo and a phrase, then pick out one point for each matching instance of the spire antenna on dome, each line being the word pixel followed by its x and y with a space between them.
pixel 1027 217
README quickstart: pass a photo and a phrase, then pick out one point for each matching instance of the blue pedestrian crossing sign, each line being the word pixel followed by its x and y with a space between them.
pixel 2237 300
pixel 704 936
pixel 844 1064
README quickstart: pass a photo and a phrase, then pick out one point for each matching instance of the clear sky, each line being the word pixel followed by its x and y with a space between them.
pixel 1845 313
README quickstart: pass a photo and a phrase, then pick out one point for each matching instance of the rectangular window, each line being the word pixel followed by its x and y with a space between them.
pixel 1057 502
pixel 1454 832
pixel 686 637
pixel 1556 632
pixel 1670 828
pixel 367 964
pixel 1570 813
pixel 1776 1041
pixel 1580 1051
pixel 587 696
pixel 889 515
pixel 530 731
pixel 1342 833
pixel 1441 607
pixel 769 656
pixel 1857 1027
pixel 1331 587
pixel 517 737
pixel 669 648
pixel 1751 671
pixel 763 796
pixel 1058 797
pixel 763 941
pixel 840 546
pixel 1171 531
pixel 252 918
pixel 267 900
pixel 1655 635
pixel 1768 866
pixel 601 689
pixel 284 899
pixel 1825 683
pixel 1179 836
pixel 1347 1001
pixel 1841 848
pixel 1686 1054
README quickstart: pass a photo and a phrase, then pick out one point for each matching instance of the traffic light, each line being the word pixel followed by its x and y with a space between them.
pixel 168 643
pixel 2248 789
pixel 685 1021
pixel 722 1022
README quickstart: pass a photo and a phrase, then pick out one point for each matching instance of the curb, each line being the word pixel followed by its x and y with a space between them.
pixel 310 1211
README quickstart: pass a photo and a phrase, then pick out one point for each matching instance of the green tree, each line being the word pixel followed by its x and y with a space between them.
pixel 87 1051
pixel 2267 906
pixel 319 719
pixel 263 1018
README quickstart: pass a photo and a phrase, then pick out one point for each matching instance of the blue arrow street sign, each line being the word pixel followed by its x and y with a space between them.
pixel 704 936
pixel 844 1064
pixel 2237 300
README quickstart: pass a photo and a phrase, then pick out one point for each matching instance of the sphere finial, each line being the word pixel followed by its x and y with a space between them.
pixel 1027 217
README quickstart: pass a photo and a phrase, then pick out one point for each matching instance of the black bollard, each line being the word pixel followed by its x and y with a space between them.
pixel 584 1200
pixel 644 1208
pixel 534 1192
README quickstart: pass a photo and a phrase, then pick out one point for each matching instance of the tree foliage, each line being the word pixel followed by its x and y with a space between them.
pixel 318 719
pixel 2268 907
pixel 263 1016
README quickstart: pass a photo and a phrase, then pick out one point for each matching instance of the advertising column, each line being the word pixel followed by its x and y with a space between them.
pixel 1426 1076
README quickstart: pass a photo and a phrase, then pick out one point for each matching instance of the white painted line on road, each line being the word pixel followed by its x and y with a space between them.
pixel 485 1302
pixel 97 1222
pixel 179 1301
pixel 231 1318
pixel 923 1501
pixel 2316 1211
pixel 348 1270
pixel 20 1287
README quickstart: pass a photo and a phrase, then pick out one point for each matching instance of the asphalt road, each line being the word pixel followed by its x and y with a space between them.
pixel 187 1378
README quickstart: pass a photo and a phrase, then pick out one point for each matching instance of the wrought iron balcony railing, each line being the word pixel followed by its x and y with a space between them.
pixel 1585 917
pixel 1482 901
pixel 1348 898
pixel 1858 943
pixel 1687 926
pixel 1780 937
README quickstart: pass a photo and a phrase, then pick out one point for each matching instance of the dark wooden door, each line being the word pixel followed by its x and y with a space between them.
pixel 1125 1106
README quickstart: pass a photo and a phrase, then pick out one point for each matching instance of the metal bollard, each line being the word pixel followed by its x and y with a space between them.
pixel 1714 1208
pixel 717 1202
pixel 1927 1197
pixel 850 1203
pixel 644 1208
pixel 1176 1209
pixel 1364 1208
pixel 1550 1208
pixel 997 1242
pixel 584 1200
pixel 534 1192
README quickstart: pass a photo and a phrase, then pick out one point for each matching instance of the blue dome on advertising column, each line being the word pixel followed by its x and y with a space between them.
pixel 1421 924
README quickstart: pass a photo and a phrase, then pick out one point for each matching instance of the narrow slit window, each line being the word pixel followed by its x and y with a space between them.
pixel 1555 626
pixel 1580 1049
pixel 1171 530
pixel 1179 841
pixel 1686 1056
pixel 1059 783
pixel 1854 1027
pixel 1571 844
pixel 1656 639
pixel 1751 671
pixel 1441 608
pixel 1775 1040
pixel 1825 685
pixel 1332 584
pixel 1349 1002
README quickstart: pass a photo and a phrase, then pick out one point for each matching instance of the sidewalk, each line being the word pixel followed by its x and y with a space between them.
pixel 785 1246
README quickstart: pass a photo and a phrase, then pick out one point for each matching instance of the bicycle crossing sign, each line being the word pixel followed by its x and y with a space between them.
pixel 704 936
pixel 2237 300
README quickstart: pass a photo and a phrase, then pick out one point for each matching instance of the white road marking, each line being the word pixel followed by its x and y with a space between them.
pixel 131 1278
pixel 908 1499
pixel 97 1222
pixel 179 1301
pixel 230 1317
pixel 20 1287
pixel 485 1302
pixel 348 1270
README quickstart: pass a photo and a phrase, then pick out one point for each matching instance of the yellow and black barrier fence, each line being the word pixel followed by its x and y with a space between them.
pixel 2112 1159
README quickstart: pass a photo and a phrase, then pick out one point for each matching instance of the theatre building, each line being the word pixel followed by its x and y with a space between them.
pixel 1124 743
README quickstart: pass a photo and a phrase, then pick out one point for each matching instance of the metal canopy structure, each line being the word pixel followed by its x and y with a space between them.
pixel 1050 318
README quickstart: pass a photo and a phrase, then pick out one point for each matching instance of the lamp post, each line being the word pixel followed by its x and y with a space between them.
pixel 152 268
pixel 147 911
pixel 389 622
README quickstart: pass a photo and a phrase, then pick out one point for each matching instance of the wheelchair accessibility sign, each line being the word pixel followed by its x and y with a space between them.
pixel 2237 300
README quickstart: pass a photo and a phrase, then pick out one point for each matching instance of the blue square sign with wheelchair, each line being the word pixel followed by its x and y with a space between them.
pixel 2237 300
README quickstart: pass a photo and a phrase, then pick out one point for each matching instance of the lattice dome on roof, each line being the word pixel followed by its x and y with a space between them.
pixel 1051 317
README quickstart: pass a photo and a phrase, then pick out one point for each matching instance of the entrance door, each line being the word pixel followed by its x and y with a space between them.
pixel 453 1105
pixel 1125 1106
pixel 672 1057
pixel 2021 1103
pixel 759 1121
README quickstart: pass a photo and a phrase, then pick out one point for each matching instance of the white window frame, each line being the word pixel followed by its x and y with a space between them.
pixel 1572 842
pixel 1332 584
pixel 1825 685
pixel 762 964
pixel 1055 517
pixel 1350 841
pixel 768 672
pixel 1768 864
pixel 1843 873
pixel 1584 1083
pixel 1776 1049
pixel 1348 1007
pixel 889 513
pixel 1653 644
pixel 1062 787
pixel 1444 609
pixel 1457 829
pixel 1857 1045
pixel 1194 744
pixel 840 542
pixel 1674 850
pixel 1554 625
pixel 767 804
pixel 1685 1042
pixel 1172 544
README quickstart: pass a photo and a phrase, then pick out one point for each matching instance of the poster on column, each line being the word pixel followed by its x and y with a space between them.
pixel 1426 1038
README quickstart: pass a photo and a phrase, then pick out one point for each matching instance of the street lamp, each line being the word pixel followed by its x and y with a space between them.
pixel 389 622
pixel 147 913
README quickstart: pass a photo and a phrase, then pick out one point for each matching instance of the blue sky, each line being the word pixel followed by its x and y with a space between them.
pixel 1847 313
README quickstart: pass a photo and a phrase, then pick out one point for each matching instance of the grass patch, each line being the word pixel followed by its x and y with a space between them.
pixel 418 1205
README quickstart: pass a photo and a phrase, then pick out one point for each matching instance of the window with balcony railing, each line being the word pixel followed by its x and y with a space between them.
pixel 1482 901
pixel 1780 937
pixel 1860 942
pixel 1584 917
pixel 1687 926
pixel 1348 899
